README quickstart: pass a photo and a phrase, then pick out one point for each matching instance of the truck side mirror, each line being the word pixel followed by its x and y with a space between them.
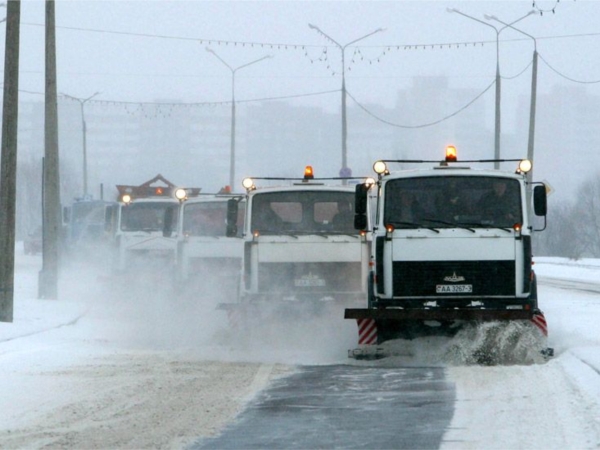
pixel 540 202
pixel 360 222
pixel 360 206
pixel 232 215
pixel 168 222
pixel 361 198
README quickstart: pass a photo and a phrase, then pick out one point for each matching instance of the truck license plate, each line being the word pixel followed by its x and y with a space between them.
pixel 453 288
pixel 309 282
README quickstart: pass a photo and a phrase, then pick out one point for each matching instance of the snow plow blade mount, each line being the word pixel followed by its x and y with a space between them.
pixel 438 314
pixel 376 326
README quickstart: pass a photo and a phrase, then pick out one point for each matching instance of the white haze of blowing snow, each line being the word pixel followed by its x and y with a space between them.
pixel 120 364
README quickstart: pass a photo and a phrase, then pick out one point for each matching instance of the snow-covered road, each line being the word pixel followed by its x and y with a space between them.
pixel 551 406
pixel 132 372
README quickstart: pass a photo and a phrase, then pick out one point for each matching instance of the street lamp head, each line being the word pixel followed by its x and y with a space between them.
pixel 209 50
pixel 489 17
pixel 452 10
pixel 312 27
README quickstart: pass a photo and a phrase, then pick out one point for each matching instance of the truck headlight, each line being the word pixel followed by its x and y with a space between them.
pixel 525 166
pixel 248 183
pixel 379 167
pixel 180 194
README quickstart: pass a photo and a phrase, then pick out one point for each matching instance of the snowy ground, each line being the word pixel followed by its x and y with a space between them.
pixel 140 369
pixel 551 406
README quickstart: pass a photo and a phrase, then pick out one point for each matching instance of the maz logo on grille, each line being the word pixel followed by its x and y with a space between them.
pixel 454 278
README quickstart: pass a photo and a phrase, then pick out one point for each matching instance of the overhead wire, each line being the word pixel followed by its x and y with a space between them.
pixel 285 46
pixel 425 124
pixel 565 76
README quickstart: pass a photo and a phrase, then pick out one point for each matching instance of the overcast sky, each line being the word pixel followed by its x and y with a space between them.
pixel 156 51
pixel 152 50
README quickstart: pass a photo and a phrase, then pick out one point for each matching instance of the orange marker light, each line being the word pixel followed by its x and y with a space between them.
pixel 451 153
pixel 308 173
pixel 159 191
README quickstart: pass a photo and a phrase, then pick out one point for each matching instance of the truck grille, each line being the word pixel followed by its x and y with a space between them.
pixel 487 278
pixel 292 278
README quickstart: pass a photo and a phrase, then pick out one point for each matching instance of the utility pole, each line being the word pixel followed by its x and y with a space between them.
pixel 344 168
pixel 8 171
pixel 532 105
pixel 233 71
pixel 497 117
pixel 48 277
pixel 82 102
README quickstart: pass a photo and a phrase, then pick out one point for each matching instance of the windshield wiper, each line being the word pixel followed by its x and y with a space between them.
pixel 486 225
pixel 453 224
pixel 507 229
pixel 467 225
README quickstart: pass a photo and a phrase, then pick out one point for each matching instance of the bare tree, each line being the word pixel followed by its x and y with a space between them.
pixel 587 213
pixel 561 237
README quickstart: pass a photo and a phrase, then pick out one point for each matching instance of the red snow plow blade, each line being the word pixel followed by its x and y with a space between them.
pixel 376 326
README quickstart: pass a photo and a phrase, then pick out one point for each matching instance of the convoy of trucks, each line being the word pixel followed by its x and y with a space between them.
pixel 412 253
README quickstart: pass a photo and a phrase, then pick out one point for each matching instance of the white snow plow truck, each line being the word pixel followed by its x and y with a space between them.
pixel 207 259
pixel 137 223
pixel 301 250
pixel 451 248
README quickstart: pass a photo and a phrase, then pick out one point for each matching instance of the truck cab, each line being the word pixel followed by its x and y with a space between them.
pixel 206 256
pixel 138 221
pixel 84 224
pixel 300 244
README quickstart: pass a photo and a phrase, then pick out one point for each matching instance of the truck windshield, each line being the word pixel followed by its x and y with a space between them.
pixel 209 218
pixel 147 216
pixel 450 202
pixel 303 212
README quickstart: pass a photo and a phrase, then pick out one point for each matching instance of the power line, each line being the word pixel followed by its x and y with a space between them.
pixel 425 124
pixel 190 104
pixel 208 41
pixel 288 46
pixel 520 73
pixel 564 76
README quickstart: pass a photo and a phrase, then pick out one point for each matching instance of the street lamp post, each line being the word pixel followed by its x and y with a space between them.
pixel 344 121
pixel 532 107
pixel 232 140
pixel 82 102
pixel 497 119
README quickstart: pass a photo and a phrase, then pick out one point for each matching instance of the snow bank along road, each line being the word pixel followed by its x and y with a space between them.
pixel 141 370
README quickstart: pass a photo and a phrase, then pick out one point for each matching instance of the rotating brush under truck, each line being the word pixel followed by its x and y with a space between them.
pixel 451 246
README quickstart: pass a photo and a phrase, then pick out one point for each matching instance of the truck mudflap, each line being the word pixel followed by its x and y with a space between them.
pixel 376 326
